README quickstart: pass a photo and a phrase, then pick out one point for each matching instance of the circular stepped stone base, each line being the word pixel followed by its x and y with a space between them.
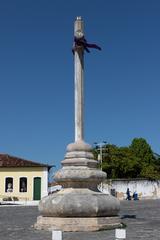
pixel 79 206
pixel 77 224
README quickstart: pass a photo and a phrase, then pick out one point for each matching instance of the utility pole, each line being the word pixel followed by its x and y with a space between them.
pixel 100 145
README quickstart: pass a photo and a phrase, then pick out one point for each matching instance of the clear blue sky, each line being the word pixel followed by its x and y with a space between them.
pixel 122 82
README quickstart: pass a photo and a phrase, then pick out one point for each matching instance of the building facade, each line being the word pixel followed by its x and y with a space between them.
pixel 22 180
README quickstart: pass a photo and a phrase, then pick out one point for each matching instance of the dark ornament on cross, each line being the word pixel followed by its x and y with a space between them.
pixel 82 42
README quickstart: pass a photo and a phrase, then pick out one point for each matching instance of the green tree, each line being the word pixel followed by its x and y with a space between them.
pixel 119 162
pixel 142 150
pixel 150 167
pixel 134 161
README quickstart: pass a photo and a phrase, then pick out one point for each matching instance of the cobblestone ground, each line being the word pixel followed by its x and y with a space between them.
pixel 141 217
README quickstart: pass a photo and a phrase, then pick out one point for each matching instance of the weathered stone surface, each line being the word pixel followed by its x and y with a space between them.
pixel 79 145
pixel 80 198
pixel 81 162
pixel 78 224
pixel 79 203
pixel 80 177
pixel 79 168
pixel 79 154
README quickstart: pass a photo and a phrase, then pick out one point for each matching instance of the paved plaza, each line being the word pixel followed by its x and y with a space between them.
pixel 141 217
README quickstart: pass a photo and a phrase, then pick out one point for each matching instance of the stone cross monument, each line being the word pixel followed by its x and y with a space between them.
pixel 79 206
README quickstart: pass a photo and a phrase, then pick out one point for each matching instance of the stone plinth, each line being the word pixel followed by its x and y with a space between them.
pixel 79 206
pixel 78 224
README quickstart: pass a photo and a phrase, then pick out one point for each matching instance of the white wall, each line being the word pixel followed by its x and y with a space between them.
pixel 44 186
pixel 145 188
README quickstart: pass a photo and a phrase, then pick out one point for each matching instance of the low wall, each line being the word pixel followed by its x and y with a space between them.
pixel 146 189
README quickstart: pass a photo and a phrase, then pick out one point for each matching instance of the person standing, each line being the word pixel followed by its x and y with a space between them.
pixel 128 194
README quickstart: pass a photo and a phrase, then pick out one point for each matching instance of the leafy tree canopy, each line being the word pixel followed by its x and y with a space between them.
pixel 134 161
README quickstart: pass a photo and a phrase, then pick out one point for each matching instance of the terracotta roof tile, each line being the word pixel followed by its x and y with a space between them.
pixel 11 161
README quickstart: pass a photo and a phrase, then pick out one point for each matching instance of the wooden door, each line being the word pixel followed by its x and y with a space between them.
pixel 37 188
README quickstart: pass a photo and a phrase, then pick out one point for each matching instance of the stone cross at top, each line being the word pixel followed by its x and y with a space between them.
pixel 78 28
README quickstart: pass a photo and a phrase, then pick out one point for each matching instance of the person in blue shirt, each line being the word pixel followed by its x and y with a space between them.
pixel 135 196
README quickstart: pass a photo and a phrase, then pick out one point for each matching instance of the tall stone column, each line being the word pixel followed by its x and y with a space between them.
pixel 78 78
pixel 79 206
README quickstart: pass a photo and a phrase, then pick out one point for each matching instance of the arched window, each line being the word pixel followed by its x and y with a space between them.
pixel 23 184
pixel 9 184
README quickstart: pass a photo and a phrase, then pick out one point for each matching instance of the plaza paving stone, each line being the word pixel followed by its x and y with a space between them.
pixel 141 217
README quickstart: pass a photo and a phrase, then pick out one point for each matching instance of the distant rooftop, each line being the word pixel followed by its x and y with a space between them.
pixel 11 161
